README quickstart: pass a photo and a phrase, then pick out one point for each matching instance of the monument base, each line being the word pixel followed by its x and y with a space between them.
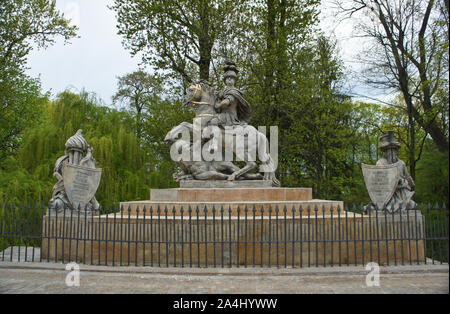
pixel 342 239
pixel 232 201
pixel 235 226
pixel 231 194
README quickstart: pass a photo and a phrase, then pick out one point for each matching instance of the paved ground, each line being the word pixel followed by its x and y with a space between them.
pixel 50 278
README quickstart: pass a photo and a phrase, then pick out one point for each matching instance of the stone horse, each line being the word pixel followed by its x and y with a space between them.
pixel 202 98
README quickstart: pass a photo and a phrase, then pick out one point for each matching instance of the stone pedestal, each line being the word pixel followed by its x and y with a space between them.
pixel 235 226
pixel 231 194
pixel 260 199
pixel 223 184
pixel 322 240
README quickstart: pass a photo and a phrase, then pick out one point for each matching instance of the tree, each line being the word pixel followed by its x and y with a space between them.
pixel 270 37
pixel 20 106
pixel 272 34
pixel 409 54
pixel 23 25
pixel 319 137
pixel 28 175
pixel 396 118
pixel 138 90
pixel 178 36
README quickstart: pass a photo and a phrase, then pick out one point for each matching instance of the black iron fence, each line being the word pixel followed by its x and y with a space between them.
pixel 225 237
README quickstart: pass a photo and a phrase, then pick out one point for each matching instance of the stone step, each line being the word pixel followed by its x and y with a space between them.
pixel 323 206
pixel 231 194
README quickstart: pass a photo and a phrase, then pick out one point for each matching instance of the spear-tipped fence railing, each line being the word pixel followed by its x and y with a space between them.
pixel 225 237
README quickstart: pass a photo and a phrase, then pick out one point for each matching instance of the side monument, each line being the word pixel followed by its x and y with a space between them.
pixel 389 185
pixel 78 180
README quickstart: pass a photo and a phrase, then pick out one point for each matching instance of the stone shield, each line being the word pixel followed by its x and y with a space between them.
pixel 381 182
pixel 80 184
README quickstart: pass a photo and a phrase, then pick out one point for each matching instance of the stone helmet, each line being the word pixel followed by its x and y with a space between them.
pixel 388 141
pixel 230 70
pixel 77 142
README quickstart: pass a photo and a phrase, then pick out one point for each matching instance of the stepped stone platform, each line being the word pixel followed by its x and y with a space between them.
pixel 228 226
pixel 231 200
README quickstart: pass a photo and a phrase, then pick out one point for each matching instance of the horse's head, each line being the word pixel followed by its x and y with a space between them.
pixel 200 93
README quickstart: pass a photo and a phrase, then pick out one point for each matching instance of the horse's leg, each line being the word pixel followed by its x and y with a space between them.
pixel 211 175
pixel 248 167
pixel 172 135
pixel 267 164
pixel 187 125
pixel 252 176
pixel 250 144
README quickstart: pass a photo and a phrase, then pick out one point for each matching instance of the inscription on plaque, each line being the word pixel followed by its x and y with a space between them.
pixel 381 182
pixel 80 187
pixel 81 184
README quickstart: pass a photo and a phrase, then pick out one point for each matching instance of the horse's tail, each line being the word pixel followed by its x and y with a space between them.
pixel 267 164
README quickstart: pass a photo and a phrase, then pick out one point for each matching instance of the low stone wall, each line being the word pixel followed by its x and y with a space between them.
pixel 321 240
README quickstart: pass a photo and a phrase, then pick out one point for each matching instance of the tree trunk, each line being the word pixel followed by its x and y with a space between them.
pixel 205 59
pixel 205 43
pixel 412 145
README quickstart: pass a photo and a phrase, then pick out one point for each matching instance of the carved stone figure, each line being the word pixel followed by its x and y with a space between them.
pixel 78 180
pixel 389 184
pixel 223 119
pixel 233 108
pixel 206 170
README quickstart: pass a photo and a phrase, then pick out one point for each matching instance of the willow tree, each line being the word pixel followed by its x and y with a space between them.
pixel 126 176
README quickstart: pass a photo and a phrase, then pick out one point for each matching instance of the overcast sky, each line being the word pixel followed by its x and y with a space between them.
pixel 93 61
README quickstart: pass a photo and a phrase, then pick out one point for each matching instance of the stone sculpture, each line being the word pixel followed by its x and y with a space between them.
pixel 78 180
pixel 389 185
pixel 222 118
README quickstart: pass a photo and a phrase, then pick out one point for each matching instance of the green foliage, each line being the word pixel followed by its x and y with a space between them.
pixel 137 91
pixel 433 176
pixel 23 25
pixel 27 23
pixel 129 169
pixel 178 36
pixel 408 53
pixel 20 108
pixel 290 73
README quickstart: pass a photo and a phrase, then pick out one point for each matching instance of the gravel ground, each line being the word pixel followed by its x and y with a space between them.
pixel 31 278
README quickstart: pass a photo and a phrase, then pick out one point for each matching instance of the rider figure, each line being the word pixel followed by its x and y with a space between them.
pixel 232 107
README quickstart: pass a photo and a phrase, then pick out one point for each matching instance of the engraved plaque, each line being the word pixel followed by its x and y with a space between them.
pixel 381 182
pixel 80 183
